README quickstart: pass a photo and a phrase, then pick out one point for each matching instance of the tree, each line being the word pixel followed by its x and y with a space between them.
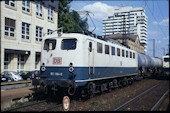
pixel 70 21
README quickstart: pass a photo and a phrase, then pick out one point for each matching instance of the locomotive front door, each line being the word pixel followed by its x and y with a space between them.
pixel 91 57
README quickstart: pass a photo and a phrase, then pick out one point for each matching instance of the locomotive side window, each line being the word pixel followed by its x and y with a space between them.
pixel 90 46
pixel 118 52
pixel 68 44
pixel 99 48
pixel 123 53
pixel 134 55
pixel 49 44
pixel 126 54
pixel 130 54
pixel 113 50
pixel 106 49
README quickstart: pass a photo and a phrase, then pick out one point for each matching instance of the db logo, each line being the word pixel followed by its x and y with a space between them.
pixel 57 60
pixel 66 103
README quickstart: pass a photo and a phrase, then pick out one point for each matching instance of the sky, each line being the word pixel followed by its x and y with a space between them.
pixel 157 12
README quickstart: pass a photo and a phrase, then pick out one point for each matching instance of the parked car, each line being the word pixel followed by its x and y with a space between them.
pixel 3 78
pixel 33 74
pixel 12 76
pixel 25 75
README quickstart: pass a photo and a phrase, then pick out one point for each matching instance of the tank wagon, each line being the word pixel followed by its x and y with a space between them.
pixel 75 63
pixel 149 66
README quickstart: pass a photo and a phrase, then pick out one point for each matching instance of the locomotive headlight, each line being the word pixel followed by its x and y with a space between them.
pixel 71 69
pixel 43 68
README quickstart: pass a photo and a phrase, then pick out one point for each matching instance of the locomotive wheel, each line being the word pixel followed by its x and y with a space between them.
pixel 109 85
pixel 91 90
pixel 115 85
pixel 102 88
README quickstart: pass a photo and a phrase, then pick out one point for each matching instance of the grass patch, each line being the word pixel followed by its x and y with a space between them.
pixel 17 104
pixel 96 103
pixel 104 101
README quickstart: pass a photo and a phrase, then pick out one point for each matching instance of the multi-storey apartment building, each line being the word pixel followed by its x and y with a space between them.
pixel 127 21
pixel 23 24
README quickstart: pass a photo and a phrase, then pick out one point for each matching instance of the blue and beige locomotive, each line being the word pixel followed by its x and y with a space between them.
pixel 78 63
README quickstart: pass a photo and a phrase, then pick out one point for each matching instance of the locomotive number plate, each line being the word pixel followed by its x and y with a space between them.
pixel 57 60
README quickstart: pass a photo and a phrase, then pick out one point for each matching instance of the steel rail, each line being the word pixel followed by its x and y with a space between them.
pixel 160 100
pixel 24 106
pixel 49 109
pixel 136 97
pixel 58 105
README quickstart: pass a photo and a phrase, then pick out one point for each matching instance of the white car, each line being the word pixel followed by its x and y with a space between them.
pixel 12 75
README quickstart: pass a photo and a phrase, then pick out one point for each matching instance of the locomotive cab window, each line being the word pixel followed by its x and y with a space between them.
pixel 69 44
pixel 166 59
pixel 49 44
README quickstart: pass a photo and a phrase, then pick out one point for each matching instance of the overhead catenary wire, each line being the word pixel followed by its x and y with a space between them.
pixel 160 9
pixel 155 18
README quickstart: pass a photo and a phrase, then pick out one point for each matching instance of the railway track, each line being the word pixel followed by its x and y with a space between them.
pixel 130 104
pixel 36 106
pixel 145 100
pixel 39 106
pixel 160 102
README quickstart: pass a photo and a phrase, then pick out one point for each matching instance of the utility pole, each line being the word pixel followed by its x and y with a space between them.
pixel 153 47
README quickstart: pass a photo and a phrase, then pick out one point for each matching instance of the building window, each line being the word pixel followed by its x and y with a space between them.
pixel 49 31
pixel 37 60
pixel 25 30
pixel 39 9
pixel 9 27
pixel 106 49
pixel 50 13
pixel 10 3
pixel 99 48
pixel 21 62
pixel 113 50
pixel 118 52
pixel 38 33
pixel 6 61
pixel 26 5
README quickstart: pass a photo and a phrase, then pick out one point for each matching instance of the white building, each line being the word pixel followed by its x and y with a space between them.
pixel 22 26
pixel 129 21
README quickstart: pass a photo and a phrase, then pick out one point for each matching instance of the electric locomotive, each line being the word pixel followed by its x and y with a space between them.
pixel 77 63
pixel 166 66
